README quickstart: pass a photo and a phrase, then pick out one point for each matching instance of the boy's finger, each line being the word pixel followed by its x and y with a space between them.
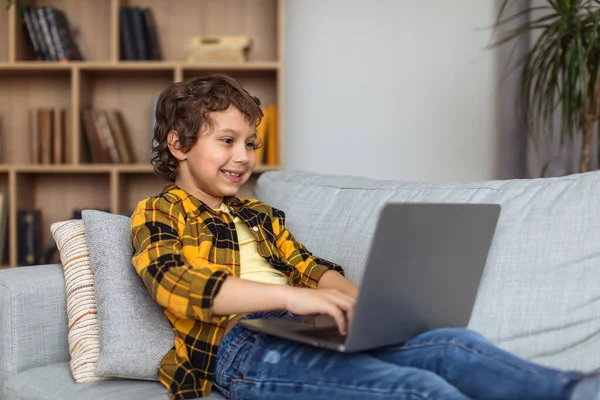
pixel 350 316
pixel 340 319
pixel 344 303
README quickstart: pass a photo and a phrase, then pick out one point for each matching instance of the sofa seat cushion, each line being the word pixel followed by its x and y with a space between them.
pixel 56 382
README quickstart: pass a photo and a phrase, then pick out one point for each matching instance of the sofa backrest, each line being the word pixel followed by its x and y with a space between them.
pixel 539 295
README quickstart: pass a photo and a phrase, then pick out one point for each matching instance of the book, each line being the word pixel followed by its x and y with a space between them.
pixel 37 32
pixel 107 135
pixel 32 33
pixel 29 234
pixel 45 133
pixel 267 132
pixel 2 140
pixel 75 38
pixel 3 228
pixel 272 149
pixel 59 47
pixel 126 39
pixel 67 137
pixel 34 135
pixel 66 36
pixel 96 147
pixel 47 36
pixel 51 33
pixel 58 136
pixel 85 153
pixel 152 41
pixel 121 136
pixel 261 132
pixel 138 30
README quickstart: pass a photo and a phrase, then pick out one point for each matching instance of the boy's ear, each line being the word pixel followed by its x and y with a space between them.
pixel 175 146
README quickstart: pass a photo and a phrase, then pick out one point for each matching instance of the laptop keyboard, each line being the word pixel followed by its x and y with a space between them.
pixel 331 334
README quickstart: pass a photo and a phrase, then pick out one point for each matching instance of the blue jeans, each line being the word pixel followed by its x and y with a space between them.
pixel 449 364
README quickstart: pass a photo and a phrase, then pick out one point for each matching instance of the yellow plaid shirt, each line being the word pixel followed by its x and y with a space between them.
pixel 184 250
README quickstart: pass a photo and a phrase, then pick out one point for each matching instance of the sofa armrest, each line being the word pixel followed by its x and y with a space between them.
pixel 33 318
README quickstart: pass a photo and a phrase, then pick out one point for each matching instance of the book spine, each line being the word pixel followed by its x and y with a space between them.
pixel 45 28
pixel 105 153
pixel 95 146
pixel 28 227
pixel 119 135
pixel 53 27
pixel 34 134
pixel 39 55
pixel 108 137
pixel 58 137
pixel 139 35
pixel 45 120
pixel 35 21
pixel 126 36
pixel 65 35
pixel 154 49
pixel 68 136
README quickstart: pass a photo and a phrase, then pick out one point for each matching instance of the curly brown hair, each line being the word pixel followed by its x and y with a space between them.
pixel 185 107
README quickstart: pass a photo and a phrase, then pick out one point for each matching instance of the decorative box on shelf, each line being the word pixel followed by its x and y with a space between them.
pixel 218 49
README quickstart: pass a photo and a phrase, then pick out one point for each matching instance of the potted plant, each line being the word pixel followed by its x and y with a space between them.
pixel 560 71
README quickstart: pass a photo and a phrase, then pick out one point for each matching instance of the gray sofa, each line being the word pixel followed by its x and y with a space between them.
pixel 539 295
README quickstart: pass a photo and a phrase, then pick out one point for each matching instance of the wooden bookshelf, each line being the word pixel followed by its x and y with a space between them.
pixel 102 81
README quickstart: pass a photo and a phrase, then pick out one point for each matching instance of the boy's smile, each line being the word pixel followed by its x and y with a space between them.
pixel 222 159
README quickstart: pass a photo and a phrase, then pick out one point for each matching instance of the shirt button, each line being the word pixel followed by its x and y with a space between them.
pixel 255 228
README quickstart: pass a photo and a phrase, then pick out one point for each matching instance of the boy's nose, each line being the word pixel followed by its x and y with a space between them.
pixel 240 155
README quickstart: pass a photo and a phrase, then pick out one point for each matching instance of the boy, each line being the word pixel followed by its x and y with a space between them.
pixel 210 259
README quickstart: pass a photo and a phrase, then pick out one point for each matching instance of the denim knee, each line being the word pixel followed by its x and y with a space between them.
pixel 461 335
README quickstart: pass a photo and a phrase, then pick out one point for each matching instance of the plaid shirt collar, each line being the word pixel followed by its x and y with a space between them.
pixel 230 201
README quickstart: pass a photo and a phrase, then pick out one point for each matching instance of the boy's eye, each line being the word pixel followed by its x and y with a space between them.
pixel 227 140
pixel 251 145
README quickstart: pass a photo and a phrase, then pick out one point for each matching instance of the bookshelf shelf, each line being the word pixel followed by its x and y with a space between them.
pixel 137 66
pixel 60 169
pixel 76 169
pixel 105 82
pixel 250 66
pixel 43 66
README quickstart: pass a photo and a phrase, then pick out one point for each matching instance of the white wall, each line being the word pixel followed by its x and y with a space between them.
pixel 391 89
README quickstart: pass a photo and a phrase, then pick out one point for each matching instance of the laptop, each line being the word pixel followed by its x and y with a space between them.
pixel 423 271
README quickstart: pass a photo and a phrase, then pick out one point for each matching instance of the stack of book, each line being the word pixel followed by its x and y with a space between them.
pixel 218 49
pixel 52 34
pixel 50 133
pixel 107 136
pixel 138 34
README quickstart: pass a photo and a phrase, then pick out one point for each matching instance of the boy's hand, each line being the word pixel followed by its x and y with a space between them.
pixel 302 301
pixel 334 280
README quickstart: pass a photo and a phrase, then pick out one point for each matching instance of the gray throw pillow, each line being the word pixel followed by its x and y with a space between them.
pixel 134 332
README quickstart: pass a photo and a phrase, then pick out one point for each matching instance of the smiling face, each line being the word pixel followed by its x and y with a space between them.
pixel 221 161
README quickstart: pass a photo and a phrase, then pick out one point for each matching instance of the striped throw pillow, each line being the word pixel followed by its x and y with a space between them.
pixel 84 334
